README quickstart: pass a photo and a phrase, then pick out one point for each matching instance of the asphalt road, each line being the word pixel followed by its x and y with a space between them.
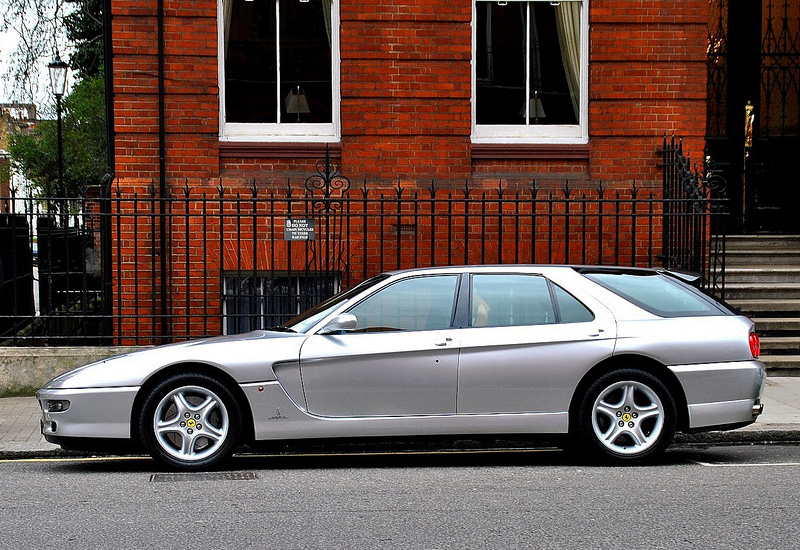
pixel 720 497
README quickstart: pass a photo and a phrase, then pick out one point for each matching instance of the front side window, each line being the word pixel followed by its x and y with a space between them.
pixel 530 71
pixel 422 303
pixel 279 69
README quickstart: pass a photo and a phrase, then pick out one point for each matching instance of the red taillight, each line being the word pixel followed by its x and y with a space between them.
pixel 755 345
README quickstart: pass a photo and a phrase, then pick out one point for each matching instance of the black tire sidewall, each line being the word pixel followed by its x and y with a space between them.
pixel 148 411
pixel 585 432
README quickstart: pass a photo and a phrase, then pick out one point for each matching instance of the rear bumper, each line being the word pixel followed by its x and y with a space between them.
pixel 722 395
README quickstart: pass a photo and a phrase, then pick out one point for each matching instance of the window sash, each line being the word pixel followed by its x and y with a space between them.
pixel 535 133
pixel 280 131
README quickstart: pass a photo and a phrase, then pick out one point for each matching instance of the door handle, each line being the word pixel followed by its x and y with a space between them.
pixel 442 343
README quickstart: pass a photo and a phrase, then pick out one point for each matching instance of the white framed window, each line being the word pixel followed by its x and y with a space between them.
pixel 279 70
pixel 530 71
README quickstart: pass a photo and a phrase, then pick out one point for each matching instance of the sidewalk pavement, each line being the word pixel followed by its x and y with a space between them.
pixel 20 437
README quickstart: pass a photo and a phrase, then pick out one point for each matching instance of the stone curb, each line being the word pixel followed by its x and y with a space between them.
pixel 762 436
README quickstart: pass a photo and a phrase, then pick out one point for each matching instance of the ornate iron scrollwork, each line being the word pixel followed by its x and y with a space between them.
pixel 330 181
pixel 326 191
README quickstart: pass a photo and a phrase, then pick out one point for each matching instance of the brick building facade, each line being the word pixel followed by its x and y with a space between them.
pixel 241 95
pixel 405 88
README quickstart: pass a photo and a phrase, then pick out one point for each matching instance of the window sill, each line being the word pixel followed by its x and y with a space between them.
pixel 238 149
pixel 542 151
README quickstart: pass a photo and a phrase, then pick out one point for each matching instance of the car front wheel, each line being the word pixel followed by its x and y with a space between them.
pixel 190 422
pixel 627 416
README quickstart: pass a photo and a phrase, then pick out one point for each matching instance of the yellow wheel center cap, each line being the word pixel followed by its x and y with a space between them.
pixel 626 417
pixel 191 423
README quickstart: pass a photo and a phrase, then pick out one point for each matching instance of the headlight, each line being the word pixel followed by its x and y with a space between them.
pixel 55 405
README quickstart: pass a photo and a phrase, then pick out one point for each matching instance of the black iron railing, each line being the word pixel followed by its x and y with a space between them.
pixel 694 216
pixel 241 257
pixel 51 271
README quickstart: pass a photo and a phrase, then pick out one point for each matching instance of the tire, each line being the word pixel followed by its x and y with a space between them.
pixel 190 422
pixel 626 416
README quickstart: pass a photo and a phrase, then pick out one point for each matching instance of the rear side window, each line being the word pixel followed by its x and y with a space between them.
pixel 569 308
pixel 519 300
pixel 659 294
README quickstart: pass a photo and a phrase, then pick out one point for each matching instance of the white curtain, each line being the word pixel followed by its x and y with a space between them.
pixel 326 13
pixel 227 10
pixel 568 21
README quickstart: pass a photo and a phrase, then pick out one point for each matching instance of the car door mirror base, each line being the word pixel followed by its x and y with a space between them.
pixel 343 322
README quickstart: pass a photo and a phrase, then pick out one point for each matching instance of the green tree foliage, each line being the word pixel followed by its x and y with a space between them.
pixel 37 28
pixel 84 143
pixel 40 28
pixel 83 128
pixel 84 27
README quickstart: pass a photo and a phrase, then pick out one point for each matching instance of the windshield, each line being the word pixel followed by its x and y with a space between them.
pixel 306 320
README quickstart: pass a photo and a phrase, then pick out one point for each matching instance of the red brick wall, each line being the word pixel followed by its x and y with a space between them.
pixel 647 78
pixel 405 116
pixel 406 92
pixel 191 88
pixel 406 88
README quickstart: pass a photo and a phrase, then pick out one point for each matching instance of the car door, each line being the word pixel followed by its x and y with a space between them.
pixel 400 360
pixel 528 344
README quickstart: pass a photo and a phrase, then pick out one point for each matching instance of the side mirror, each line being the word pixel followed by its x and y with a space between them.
pixel 342 322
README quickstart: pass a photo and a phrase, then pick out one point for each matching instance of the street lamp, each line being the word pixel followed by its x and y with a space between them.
pixel 58 82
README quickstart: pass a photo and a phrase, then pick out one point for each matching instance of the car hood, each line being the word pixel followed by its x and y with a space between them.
pixel 245 357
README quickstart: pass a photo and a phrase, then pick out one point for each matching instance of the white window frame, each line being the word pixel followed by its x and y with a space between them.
pixel 277 131
pixel 536 133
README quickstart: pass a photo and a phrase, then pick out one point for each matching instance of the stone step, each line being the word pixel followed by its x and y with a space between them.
pixel 778 324
pixel 781 365
pixel 780 345
pixel 758 308
pixel 762 242
pixel 755 291
pixel 748 258
pixel 762 279
pixel 770 274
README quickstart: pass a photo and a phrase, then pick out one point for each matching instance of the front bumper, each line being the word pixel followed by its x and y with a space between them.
pixel 101 413
pixel 722 395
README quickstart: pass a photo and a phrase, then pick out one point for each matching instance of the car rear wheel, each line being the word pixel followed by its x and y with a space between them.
pixel 627 416
pixel 190 421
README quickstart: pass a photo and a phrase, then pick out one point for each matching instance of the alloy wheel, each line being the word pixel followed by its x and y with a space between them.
pixel 628 417
pixel 191 423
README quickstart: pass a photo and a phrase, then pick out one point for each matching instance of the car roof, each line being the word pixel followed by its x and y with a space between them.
pixel 522 267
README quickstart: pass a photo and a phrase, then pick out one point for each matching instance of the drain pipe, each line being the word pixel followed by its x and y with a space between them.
pixel 162 175
pixel 105 186
pixel 108 67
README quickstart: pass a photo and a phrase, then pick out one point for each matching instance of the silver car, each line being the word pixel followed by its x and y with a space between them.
pixel 618 359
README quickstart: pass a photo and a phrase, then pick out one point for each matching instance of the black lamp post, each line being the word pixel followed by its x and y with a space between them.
pixel 58 82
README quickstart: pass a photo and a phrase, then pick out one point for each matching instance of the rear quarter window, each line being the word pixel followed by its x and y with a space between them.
pixel 659 294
